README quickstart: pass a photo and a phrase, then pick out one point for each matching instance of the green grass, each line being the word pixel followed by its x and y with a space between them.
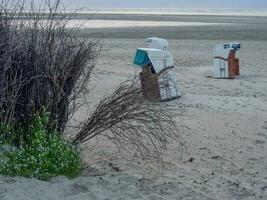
pixel 43 154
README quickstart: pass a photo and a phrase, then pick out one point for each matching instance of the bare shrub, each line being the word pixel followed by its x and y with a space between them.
pixel 42 63
pixel 133 123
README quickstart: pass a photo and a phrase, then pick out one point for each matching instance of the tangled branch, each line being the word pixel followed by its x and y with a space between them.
pixel 131 122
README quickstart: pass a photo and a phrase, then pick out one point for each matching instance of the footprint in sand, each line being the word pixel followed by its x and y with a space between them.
pixel 260 142
pixel 265 125
pixel 262 135
pixel 77 189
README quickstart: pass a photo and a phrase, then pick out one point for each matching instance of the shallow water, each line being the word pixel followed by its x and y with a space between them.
pixel 129 23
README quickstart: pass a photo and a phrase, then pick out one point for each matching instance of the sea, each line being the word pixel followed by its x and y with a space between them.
pixel 180 11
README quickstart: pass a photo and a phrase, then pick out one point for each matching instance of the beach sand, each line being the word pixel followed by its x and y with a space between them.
pixel 226 141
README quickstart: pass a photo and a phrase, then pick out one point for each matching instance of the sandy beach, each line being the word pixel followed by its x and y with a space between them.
pixel 225 157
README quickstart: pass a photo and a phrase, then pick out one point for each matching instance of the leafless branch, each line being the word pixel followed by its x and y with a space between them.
pixel 133 123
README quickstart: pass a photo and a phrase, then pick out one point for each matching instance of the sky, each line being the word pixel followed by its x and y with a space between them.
pixel 166 3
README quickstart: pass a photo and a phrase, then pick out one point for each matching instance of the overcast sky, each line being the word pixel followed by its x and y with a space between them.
pixel 166 3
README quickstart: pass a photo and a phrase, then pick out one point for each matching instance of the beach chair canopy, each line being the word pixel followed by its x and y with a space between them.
pixel 223 50
pixel 157 43
pixel 155 58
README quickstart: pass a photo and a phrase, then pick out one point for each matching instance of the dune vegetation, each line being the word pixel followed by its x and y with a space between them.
pixel 45 71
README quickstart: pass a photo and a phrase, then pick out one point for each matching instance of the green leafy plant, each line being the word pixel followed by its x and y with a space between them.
pixel 7 133
pixel 43 154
